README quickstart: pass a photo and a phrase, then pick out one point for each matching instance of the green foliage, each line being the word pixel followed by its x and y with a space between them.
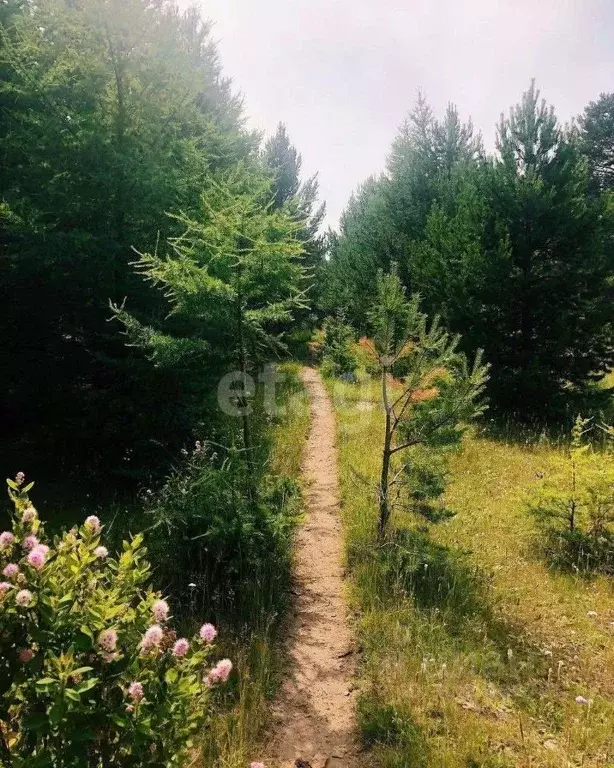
pixel 385 725
pixel 232 277
pixel 573 504
pixel 113 113
pixel 338 358
pixel 597 140
pixel 435 395
pixel 85 680
pixel 207 531
pixel 512 251
pixel 427 474
pixel 299 198
pixel 366 243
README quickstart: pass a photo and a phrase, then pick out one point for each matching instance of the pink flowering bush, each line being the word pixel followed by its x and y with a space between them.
pixel 92 674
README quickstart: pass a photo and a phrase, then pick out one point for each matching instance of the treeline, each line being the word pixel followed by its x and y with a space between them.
pixel 119 134
pixel 514 249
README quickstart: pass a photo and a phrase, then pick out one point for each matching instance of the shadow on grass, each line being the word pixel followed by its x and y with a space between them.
pixel 393 731
pixel 553 426
pixel 576 553
pixel 447 588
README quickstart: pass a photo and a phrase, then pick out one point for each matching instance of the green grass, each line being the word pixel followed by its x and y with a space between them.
pixel 473 650
pixel 232 740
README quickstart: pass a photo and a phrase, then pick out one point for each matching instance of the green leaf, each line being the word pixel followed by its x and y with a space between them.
pixel 55 714
pixel 72 694
pixel 88 685
pixel 119 720
pixel 35 722
pixel 46 681
pixel 87 631
pixel 171 676
pixel 28 487
pixel 12 484
pixel 81 670
pixel 66 599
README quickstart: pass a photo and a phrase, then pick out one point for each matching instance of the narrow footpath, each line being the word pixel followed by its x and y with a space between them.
pixel 313 718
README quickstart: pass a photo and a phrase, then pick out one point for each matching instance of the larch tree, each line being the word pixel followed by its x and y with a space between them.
pixel 233 280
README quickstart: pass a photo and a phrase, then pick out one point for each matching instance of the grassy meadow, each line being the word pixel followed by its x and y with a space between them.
pixel 473 650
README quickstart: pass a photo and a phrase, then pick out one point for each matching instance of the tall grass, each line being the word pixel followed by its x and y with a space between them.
pixel 473 651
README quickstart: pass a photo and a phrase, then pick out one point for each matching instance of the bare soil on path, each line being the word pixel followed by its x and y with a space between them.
pixel 313 718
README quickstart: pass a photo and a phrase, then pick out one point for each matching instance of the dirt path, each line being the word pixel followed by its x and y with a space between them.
pixel 314 715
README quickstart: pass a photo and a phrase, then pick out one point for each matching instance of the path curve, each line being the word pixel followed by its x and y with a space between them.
pixel 313 718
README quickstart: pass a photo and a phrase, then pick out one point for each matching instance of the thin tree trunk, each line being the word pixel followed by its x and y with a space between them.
pixel 120 201
pixel 243 401
pixel 572 511
pixel 526 314
pixel 384 505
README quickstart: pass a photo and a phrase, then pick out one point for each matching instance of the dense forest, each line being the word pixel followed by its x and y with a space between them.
pixel 161 260
pixel 513 250
pixel 122 142
pixel 120 135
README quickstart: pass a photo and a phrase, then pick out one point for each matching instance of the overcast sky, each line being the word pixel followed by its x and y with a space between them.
pixel 342 74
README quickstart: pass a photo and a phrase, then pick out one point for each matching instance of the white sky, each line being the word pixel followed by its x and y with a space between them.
pixel 342 74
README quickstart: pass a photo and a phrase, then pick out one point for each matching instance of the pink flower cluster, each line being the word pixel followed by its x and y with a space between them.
pixel 135 691
pixel 6 540
pixel 38 556
pixel 26 655
pixel 107 640
pixel 160 610
pixel 29 515
pixel 220 672
pixel 101 552
pixel 30 542
pixel 208 633
pixel 256 765
pixel 24 598
pixel 4 587
pixel 181 647
pixel 11 570
pixel 152 638
pixel 93 523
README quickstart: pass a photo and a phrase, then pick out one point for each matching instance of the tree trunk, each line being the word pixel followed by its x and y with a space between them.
pixel 243 401
pixel 384 505
pixel 526 310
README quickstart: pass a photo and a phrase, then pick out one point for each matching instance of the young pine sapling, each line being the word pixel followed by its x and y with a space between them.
pixel 429 392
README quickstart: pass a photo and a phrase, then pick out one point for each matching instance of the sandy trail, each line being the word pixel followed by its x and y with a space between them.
pixel 313 718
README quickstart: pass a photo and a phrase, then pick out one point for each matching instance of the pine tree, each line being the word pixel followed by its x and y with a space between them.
pixel 554 324
pixel 597 140
pixel 434 394
pixel 300 199
pixel 285 162
pixel 367 242
pixel 386 219
pixel 454 142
